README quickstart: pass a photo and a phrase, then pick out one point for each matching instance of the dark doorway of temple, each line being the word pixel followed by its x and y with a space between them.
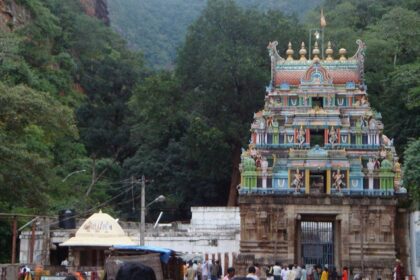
pixel 317 242
pixel 317 137
pixel 317 102
pixel 317 182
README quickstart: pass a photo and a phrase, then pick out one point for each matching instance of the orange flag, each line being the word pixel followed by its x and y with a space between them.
pixel 323 21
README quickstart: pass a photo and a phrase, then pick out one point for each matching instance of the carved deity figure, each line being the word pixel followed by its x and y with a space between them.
pixel 305 101
pixel 333 136
pixel 329 100
pixel 372 124
pixel 338 180
pixel 364 102
pixel 370 166
pixel 397 178
pixel 363 122
pixel 261 124
pixel 275 123
pixel 264 165
pixel 301 137
pixel 388 143
pixel 252 151
pixel 298 180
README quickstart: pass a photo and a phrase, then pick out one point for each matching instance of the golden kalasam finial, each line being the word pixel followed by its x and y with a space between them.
pixel 302 52
pixel 329 52
pixel 290 52
pixel 342 53
pixel 316 52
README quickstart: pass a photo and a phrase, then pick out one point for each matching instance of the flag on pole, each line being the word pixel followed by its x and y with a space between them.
pixel 323 21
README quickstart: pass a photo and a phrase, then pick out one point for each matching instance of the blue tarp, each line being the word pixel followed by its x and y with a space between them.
pixel 165 254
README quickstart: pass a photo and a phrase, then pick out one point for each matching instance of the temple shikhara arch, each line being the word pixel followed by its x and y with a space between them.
pixel 320 182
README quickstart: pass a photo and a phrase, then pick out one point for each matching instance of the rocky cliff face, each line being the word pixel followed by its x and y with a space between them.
pixel 96 8
pixel 12 15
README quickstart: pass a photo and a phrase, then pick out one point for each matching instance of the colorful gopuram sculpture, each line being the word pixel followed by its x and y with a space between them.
pixel 317 133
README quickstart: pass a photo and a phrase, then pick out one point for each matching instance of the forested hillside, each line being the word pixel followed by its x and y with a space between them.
pixel 157 27
pixel 65 79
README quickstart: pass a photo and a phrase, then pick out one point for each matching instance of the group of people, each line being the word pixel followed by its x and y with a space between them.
pixel 303 272
pixel 208 270
pixel 211 270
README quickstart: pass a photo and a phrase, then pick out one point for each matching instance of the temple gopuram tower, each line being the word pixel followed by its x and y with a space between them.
pixel 320 182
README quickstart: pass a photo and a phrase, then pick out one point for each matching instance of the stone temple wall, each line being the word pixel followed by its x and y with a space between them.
pixel 364 230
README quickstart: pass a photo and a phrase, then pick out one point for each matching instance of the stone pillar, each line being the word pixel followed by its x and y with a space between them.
pixel 348 179
pixel 370 182
pixel 325 136
pixel 264 180
pixel 307 186
pixel 328 181
pixel 308 136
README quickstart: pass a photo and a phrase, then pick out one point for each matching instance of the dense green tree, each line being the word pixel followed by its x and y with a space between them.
pixel 411 169
pixel 31 124
pixel 392 72
pixel 159 121
pixel 63 56
pixel 224 67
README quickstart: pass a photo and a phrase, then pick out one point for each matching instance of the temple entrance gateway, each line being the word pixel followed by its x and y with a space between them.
pixel 317 242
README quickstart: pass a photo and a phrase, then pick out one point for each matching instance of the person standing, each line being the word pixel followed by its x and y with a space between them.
pixel 316 272
pixel 291 275
pixel 190 275
pixel 284 273
pixel 230 274
pixel 257 270
pixel 214 270
pixel 333 275
pixel 251 273
pixel 298 273
pixel 324 275
pixel 398 270
pixel 277 271
pixel 345 273
pixel 303 271
pixel 205 270
pixel 199 271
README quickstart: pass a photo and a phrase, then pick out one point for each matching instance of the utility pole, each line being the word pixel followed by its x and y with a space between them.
pixel 143 210
pixel 14 234
pixel 32 244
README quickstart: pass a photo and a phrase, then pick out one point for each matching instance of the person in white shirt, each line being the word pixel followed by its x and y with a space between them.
pixel 251 273
pixel 205 270
pixel 277 271
pixel 284 273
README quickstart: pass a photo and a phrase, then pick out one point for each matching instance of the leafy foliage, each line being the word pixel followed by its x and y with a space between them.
pixel 56 64
pixel 411 169
pixel 29 139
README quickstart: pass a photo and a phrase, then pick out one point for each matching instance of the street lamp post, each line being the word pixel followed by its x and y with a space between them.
pixel 144 207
